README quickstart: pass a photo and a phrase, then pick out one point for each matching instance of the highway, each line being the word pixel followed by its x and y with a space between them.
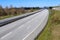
pixel 25 29
pixel 7 28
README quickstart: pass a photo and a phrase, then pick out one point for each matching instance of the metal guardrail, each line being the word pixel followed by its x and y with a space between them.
pixel 9 20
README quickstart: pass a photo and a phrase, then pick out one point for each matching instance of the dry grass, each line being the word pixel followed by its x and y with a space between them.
pixel 55 27
pixel 56 32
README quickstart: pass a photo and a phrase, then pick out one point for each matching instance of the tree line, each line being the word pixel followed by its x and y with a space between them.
pixel 15 11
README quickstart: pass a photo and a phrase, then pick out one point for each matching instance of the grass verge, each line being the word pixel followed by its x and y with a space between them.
pixel 52 29
pixel 8 16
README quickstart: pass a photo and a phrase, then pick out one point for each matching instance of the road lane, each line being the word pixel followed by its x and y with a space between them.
pixel 7 28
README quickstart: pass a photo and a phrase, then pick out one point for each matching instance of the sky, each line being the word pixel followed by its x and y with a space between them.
pixel 29 3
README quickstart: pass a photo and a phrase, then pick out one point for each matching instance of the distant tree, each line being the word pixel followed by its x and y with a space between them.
pixel 2 12
pixel 12 10
pixel 50 7
pixel 22 10
pixel 6 9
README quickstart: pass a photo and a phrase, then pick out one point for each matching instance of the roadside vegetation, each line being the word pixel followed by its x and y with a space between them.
pixel 52 29
pixel 14 11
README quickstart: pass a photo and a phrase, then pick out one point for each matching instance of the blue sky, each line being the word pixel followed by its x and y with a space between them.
pixel 29 3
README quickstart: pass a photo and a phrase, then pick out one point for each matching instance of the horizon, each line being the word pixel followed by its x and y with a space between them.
pixel 30 3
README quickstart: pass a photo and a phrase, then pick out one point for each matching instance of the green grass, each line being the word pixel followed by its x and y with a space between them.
pixel 3 17
pixel 8 16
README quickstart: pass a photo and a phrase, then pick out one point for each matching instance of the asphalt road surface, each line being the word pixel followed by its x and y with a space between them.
pixel 7 28
pixel 25 29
